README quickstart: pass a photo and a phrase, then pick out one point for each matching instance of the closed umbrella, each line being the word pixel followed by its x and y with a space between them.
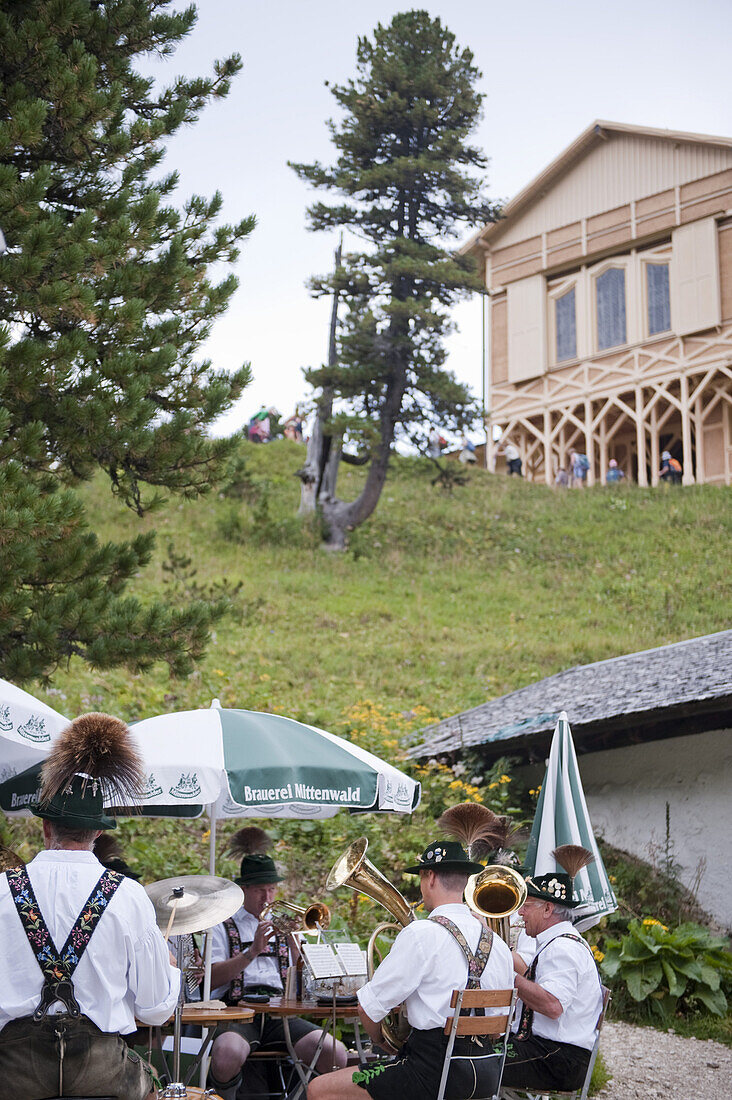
pixel 561 818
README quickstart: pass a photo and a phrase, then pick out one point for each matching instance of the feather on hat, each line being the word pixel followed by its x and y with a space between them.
pixel 477 828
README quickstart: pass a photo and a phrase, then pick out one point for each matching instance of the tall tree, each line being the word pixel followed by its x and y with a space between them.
pixel 105 297
pixel 407 176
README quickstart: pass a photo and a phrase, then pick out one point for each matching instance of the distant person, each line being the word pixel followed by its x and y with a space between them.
pixel 614 473
pixel 293 427
pixel 579 465
pixel 562 478
pixel 435 443
pixel 513 458
pixel 671 469
pixel 467 452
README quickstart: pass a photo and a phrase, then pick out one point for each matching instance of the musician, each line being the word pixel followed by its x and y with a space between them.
pixel 560 992
pixel 83 955
pixel 248 957
pixel 429 959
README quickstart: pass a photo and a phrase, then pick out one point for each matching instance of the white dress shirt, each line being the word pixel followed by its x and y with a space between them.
pixel 426 963
pixel 264 970
pixel 567 970
pixel 125 971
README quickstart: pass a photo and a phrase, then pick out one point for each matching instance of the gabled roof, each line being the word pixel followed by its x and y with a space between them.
pixel 595 133
pixel 666 692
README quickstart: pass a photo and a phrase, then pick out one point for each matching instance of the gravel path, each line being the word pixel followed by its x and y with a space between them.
pixel 654 1065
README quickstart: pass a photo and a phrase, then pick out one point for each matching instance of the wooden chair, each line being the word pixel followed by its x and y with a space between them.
pixel 495 1027
pixel 576 1094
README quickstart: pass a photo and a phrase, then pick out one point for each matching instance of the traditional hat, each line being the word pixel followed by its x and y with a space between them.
pixel 558 886
pixel 93 761
pixel 257 868
pixel 478 828
pixel 444 855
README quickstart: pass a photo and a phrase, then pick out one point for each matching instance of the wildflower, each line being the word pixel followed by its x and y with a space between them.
pixel 492 786
pixel 599 955
pixel 649 922
pixel 505 779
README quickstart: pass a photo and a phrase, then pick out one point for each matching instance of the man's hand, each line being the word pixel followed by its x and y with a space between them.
pixel 262 937
pixel 519 963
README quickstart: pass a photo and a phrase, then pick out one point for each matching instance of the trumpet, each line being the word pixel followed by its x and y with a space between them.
pixel 495 893
pixel 286 917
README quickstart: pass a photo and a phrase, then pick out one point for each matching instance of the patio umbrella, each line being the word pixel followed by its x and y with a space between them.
pixel 561 818
pixel 27 727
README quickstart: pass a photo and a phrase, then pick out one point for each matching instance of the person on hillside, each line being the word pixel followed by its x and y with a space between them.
pixel 249 957
pixel 467 452
pixel 561 479
pixel 64 1010
pixel 560 992
pixel 579 464
pixel 513 458
pixel 671 469
pixel 428 960
pixel 614 473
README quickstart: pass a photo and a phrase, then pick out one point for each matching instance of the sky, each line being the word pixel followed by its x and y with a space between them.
pixel 549 70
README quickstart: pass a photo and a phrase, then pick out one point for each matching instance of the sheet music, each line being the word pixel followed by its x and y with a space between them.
pixel 352 958
pixel 322 960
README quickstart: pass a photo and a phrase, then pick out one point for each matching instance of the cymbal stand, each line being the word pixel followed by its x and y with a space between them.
pixel 176 1088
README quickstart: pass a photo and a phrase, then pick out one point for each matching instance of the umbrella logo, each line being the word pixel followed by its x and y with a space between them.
pixel 151 788
pixel 34 729
pixel 187 786
pixel 403 797
pixel 5 721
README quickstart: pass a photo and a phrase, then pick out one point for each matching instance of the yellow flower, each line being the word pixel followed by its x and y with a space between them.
pixel 599 955
pixel 649 922
pixel 265 676
pixel 206 835
pixel 505 779
pixel 492 786
pixel 612 878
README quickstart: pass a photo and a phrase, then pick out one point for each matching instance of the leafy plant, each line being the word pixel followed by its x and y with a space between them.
pixel 668 971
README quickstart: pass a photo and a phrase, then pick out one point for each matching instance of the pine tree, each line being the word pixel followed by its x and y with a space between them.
pixel 407 177
pixel 105 298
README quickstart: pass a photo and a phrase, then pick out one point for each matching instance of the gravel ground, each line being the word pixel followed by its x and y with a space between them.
pixel 654 1065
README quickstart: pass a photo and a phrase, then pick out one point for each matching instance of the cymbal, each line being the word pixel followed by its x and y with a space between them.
pixel 203 902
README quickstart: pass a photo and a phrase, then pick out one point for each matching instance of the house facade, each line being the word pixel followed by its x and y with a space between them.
pixel 609 281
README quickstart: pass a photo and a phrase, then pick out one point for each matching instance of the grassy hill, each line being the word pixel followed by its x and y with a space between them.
pixel 442 600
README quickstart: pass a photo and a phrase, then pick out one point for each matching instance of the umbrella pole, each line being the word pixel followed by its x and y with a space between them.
pixel 209 940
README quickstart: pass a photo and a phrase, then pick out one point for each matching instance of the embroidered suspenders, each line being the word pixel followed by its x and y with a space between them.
pixel 58 967
pixel 476 962
pixel 527 1014
pixel 278 950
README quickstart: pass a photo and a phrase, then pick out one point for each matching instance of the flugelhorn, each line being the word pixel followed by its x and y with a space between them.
pixel 286 917
pixel 495 893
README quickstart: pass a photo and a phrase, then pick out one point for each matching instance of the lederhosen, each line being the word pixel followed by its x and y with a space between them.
pixel 277 950
pixel 67 1037
pixel 539 1062
pixel 415 1075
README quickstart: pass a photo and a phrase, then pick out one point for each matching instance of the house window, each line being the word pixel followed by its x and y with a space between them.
pixel 610 291
pixel 565 323
pixel 658 297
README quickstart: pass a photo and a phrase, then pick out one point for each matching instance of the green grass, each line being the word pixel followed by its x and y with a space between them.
pixel 442 600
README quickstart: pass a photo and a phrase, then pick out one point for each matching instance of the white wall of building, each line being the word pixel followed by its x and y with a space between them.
pixel 627 790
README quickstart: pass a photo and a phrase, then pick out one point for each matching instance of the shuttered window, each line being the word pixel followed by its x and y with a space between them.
pixel 565 320
pixel 610 298
pixel 658 297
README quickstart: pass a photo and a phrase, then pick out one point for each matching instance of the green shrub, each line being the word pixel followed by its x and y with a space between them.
pixel 658 971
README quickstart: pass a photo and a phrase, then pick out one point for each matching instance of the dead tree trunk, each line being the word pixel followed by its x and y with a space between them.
pixel 320 472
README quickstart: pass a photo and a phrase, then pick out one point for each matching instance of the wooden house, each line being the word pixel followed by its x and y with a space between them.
pixel 609 280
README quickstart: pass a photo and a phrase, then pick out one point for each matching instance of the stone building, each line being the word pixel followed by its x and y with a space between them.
pixel 610 307
pixel 653 735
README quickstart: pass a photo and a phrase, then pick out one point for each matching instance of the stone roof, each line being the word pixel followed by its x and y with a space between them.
pixel 665 692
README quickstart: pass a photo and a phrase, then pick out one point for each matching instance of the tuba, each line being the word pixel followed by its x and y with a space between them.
pixel 495 893
pixel 287 917
pixel 352 869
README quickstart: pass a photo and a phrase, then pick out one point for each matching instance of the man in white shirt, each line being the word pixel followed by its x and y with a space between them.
pixel 429 959
pixel 83 957
pixel 247 957
pixel 560 993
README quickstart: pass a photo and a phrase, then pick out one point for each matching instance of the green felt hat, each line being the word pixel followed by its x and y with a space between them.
pixel 444 855
pixel 258 869
pixel 80 805
pixel 556 887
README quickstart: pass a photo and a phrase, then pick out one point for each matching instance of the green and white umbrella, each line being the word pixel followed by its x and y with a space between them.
pixel 561 818
pixel 27 728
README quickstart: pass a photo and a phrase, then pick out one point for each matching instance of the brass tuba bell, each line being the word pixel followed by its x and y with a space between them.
pixel 495 893
pixel 354 870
